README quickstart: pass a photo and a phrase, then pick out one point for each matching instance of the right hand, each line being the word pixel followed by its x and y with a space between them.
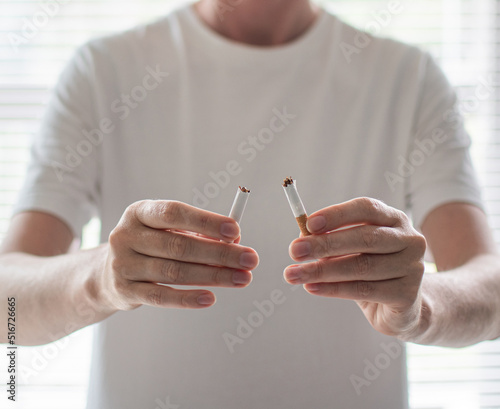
pixel 169 242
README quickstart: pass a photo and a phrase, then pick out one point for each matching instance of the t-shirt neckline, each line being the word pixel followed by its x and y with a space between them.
pixel 236 48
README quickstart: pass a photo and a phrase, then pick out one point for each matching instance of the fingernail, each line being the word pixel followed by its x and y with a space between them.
pixel 293 273
pixel 316 223
pixel 240 277
pixel 301 249
pixel 229 230
pixel 249 260
pixel 312 287
pixel 205 299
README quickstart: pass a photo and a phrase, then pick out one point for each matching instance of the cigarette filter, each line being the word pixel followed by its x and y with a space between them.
pixel 290 188
pixel 239 204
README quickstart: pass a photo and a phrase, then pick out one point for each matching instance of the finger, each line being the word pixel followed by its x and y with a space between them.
pixel 159 270
pixel 188 233
pixel 359 239
pixel 397 292
pixel 357 211
pixel 168 214
pixel 192 249
pixel 157 295
pixel 237 241
pixel 359 267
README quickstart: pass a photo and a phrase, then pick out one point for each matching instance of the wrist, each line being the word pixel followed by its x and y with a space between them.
pixel 419 333
pixel 94 289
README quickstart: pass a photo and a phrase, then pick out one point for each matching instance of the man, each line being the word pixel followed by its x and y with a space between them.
pixel 185 109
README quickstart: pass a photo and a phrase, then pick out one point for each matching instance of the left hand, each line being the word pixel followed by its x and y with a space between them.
pixel 375 260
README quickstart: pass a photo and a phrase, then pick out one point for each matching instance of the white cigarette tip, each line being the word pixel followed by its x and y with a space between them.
pixel 239 204
pixel 290 188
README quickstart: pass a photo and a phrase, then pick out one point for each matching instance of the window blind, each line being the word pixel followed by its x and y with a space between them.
pixel 463 35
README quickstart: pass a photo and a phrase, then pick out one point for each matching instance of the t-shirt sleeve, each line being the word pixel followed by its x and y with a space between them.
pixel 62 176
pixel 438 161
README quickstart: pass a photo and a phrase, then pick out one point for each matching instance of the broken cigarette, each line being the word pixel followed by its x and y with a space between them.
pixel 239 204
pixel 290 188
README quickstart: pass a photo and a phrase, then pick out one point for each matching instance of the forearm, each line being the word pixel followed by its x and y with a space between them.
pixel 461 307
pixel 55 296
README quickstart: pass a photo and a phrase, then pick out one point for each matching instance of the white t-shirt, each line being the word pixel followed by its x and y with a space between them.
pixel 343 121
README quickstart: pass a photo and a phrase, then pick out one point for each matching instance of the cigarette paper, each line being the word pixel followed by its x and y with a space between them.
pixel 239 204
pixel 290 188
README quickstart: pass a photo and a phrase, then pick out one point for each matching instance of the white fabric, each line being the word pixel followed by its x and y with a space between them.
pixel 340 122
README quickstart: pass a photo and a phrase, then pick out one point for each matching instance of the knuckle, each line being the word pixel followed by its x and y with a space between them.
pixel 334 289
pixel 170 272
pixel 338 214
pixel 364 289
pixel 170 210
pixel 314 270
pixel 204 221
pixel 113 238
pixel 224 254
pixel 116 237
pixel 317 270
pixel 216 276
pixel 327 243
pixel 373 206
pixel 402 216
pixel 184 300
pixel 362 265
pixel 369 237
pixel 130 213
pixel 369 204
pixel 155 296
pixel 178 246
pixel 132 208
pixel 420 243
pixel 128 220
